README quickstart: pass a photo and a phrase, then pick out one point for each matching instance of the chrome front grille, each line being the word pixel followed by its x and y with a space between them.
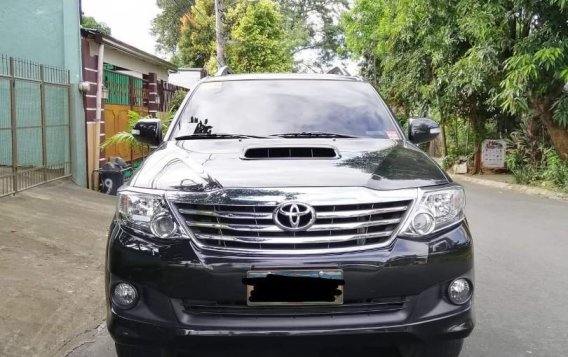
pixel 253 226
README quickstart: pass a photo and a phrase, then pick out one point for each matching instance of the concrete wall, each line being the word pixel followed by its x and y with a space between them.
pixel 47 31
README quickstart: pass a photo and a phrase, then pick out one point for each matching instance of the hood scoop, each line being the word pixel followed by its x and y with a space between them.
pixel 290 152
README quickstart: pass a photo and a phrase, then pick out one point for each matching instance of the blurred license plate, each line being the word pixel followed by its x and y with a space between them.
pixel 294 287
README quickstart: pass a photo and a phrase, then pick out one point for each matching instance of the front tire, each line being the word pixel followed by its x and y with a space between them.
pixel 450 348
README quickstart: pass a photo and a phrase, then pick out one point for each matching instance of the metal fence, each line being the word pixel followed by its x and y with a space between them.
pixel 34 124
pixel 166 92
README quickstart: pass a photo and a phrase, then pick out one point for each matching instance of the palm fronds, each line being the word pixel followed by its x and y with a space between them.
pixel 126 137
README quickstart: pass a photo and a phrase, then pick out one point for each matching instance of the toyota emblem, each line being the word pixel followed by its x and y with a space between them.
pixel 294 216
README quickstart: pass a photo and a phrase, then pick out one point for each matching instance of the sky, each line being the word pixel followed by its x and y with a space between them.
pixel 129 20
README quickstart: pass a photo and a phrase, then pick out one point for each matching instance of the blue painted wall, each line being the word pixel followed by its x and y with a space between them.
pixel 48 32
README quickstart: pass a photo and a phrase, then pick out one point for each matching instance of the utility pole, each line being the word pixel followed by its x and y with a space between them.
pixel 220 37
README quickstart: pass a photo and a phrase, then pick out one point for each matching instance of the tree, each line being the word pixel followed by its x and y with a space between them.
pixel 255 40
pixel 487 61
pixel 197 41
pixel 313 25
pixel 258 39
pixel 166 26
pixel 89 22
pixel 408 49
pixel 309 25
pixel 537 70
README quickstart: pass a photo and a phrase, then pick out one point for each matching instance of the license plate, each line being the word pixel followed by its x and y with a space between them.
pixel 294 287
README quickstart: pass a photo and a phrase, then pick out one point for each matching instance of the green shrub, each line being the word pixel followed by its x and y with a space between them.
pixel 449 161
pixel 532 162
pixel 556 170
pixel 176 100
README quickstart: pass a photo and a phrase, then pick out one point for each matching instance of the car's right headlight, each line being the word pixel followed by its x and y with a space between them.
pixel 147 213
pixel 436 209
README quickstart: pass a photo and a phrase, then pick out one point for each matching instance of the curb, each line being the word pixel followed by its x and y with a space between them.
pixel 530 190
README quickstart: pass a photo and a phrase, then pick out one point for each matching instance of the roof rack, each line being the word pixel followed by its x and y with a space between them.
pixel 223 71
pixel 339 71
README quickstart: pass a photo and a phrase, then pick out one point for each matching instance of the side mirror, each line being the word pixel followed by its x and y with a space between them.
pixel 422 130
pixel 148 131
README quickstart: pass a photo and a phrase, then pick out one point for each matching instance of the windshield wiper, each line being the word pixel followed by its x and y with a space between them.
pixel 313 134
pixel 217 136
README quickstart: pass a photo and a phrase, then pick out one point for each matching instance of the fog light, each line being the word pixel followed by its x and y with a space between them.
pixel 125 296
pixel 423 223
pixel 163 225
pixel 459 291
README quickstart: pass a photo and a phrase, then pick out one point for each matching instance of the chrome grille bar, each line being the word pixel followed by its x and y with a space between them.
pixel 274 228
pixel 252 215
pixel 360 213
pixel 221 214
pixel 293 240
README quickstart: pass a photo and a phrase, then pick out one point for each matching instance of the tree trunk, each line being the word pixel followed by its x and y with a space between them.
pixel 442 123
pixel 444 139
pixel 475 126
pixel 558 135
pixel 477 159
pixel 438 146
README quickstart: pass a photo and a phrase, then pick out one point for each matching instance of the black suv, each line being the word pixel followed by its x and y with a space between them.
pixel 288 206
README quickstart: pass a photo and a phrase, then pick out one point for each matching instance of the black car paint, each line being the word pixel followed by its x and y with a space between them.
pixel 379 164
pixel 169 273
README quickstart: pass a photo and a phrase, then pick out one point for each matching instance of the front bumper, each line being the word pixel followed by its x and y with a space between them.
pixel 394 293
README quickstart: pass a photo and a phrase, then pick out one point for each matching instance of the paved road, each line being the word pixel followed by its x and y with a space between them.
pixel 521 246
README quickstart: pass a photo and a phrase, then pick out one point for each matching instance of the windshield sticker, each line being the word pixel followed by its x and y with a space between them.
pixel 393 135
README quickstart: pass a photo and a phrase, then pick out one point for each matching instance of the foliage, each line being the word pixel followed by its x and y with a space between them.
pixel 126 137
pixel 177 99
pixel 197 41
pixel 256 39
pixel 313 25
pixel 166 26
pixel 259 40
pixel 560 108
pixel 307 25
pixel 448 161
pixel 531 160
pixel 556 170
pixel 490 62
pixel 89 22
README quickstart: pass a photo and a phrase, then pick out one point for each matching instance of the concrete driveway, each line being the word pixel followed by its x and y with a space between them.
pixel 52 241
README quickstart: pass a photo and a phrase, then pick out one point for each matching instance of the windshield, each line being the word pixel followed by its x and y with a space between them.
pixel 280 107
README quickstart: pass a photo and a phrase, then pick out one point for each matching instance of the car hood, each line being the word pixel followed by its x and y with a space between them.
pixel 203 165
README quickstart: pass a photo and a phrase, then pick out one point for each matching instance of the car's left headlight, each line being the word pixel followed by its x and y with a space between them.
pixel 436 209
pixel 147 213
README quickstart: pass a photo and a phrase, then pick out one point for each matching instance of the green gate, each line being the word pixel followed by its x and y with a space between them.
pixel 34 124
